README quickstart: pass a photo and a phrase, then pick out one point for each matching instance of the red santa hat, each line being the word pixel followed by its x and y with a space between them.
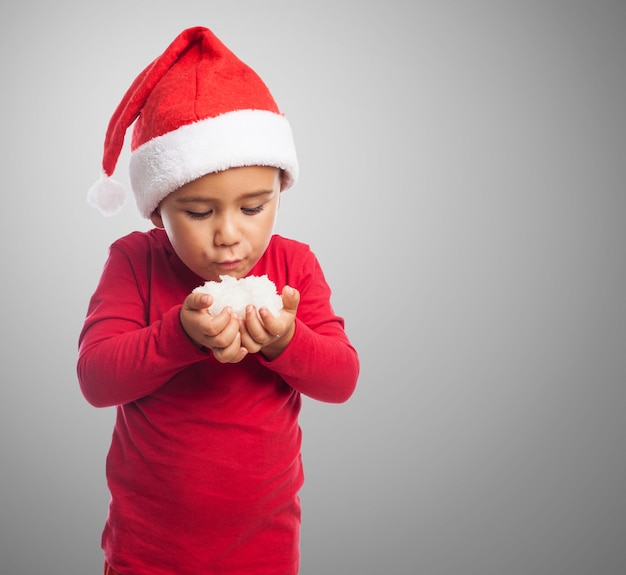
pixel 197 109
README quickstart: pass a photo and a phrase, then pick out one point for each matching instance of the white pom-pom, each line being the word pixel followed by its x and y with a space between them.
pixel 107 195
pixel 260 291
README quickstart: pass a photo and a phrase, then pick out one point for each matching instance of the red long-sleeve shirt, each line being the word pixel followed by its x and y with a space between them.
pixel 204 465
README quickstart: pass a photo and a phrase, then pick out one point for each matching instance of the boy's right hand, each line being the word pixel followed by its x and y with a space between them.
pixel 218 333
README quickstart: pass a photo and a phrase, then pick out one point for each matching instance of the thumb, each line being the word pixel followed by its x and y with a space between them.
pixel 198 301
pixel 291 298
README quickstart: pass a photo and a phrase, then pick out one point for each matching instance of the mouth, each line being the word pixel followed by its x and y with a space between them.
pixel 228 265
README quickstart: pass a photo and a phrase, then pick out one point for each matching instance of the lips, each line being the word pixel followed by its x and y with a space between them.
pixel 228 265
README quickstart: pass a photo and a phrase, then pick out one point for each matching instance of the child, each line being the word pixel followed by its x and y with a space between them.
pixel 204 466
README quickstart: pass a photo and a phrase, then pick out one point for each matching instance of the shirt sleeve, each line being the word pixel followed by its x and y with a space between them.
pixel 320 361
pixel 121 357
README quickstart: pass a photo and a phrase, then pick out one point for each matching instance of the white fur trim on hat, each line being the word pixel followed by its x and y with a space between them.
pixel 234 139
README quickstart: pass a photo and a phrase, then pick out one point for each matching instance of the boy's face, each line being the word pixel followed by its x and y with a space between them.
pixel 221 223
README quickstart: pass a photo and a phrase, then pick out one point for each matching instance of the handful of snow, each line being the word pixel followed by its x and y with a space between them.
pixel 260 291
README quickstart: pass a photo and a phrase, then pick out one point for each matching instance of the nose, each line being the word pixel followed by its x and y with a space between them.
pixel 226 231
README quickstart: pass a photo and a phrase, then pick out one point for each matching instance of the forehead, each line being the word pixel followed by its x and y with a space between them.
pixel 231 184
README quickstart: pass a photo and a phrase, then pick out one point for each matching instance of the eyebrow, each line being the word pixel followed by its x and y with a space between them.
pixel 204 199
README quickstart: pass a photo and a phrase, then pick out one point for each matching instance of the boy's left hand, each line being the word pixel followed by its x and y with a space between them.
pixel 264 332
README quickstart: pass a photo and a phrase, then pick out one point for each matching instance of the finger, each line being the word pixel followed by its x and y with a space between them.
pixel 272 325
pixel 254 326
pixel 242 353
pixel 277 325
pixel 291 299
pixel 253 343
pixel 232 353
pixel 198 301
pixel 213 326
pixel 222 329
pixel 247 341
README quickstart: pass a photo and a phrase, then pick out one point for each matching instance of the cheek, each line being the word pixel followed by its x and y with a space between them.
pixel 273 213
pixel 265 226
pixel 183 236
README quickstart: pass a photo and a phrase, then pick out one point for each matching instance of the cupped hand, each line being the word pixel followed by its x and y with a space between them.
pixel 269 334
pixel 221 333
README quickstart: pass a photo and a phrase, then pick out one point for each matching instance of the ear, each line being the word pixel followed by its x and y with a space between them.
pixel 156 219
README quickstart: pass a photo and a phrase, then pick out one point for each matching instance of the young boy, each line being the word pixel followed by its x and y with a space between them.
pixel 204 466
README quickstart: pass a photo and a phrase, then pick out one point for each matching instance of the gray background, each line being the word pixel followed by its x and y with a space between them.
pixel 463 184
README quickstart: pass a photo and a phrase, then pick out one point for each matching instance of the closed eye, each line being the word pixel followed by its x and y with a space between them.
pixel 199 215
pixel 252 211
